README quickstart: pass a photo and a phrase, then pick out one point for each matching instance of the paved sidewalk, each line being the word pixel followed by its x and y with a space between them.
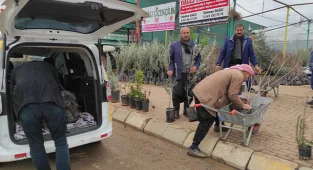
pixel 276 135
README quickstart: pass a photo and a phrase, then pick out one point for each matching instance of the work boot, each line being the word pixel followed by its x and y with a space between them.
pixel 195 152
pixel 176 114
pixel 310 102
pixel 217 129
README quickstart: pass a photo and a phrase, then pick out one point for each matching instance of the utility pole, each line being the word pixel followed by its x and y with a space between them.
pixel 286 32
pixel 286 28
pixel 308 38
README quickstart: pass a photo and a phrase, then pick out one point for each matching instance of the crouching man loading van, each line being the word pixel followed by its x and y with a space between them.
pixel 37 98
pixel 216 91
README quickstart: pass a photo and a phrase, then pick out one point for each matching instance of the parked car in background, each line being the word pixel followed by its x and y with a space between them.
pixel 307 71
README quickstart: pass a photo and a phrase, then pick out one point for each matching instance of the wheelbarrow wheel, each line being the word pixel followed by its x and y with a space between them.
pixel 255 128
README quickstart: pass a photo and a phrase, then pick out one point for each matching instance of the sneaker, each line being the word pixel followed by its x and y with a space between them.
pixel 195 152
pixel 217 129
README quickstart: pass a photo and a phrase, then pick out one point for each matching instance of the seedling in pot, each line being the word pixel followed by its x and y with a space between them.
pixel 168 85
pixel 146 101
pixel 304 145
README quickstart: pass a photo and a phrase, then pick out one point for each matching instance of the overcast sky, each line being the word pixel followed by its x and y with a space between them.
pixel 294 32
pixel 256 6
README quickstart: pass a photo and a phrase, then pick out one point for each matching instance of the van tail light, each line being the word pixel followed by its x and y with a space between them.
pixel 20 155
pixel 108 90
pixel 104 135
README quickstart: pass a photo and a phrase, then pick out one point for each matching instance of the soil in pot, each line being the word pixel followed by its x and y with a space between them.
pixel 192 114
pixel 145 105
pixel 305 152
pixel 170 115
pixel 115 97
pixel 125 100
pixel 132 102
pixel 138 104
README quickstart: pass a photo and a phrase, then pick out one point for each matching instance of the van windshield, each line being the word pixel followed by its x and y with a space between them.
pixel 83 18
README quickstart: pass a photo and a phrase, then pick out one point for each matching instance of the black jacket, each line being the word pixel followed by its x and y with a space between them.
pixel 35 82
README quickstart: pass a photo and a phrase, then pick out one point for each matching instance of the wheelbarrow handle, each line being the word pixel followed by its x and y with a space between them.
pixel 233 112
pixel 197 105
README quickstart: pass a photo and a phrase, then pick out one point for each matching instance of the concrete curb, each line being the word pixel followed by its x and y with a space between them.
pixel 155 128
pixel 303 168
pixel 137 121
pixel 261 161
pixel 176 134
pixel 120 115
pixel 234 155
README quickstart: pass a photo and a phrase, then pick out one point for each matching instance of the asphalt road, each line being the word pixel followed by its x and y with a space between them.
pixel 128 149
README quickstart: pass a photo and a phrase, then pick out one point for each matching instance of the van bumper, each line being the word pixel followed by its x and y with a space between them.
pixel 9 152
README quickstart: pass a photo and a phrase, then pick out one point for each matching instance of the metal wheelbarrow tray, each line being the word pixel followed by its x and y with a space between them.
pixel 250 123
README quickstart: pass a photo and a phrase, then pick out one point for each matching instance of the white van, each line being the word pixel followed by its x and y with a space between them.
pixel 63 33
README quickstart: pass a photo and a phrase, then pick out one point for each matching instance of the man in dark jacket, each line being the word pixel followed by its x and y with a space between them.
pixel 237 49
pixel 181 59
pixel 36 97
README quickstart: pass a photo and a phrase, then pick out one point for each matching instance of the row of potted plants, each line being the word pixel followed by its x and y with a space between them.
pixel 133 94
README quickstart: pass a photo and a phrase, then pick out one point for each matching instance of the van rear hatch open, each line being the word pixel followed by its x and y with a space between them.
pixel 75 20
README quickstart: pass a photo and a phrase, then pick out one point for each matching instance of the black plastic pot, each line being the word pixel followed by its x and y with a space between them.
pixel 170 115
pixel 161 76
pixel 157 81
pixel 138 104
pixel 191 114
pixel 115 97
pixel 125 100
pixel 154 80
pixel 145 105
pixel 150 80
pixel 132 102
pixel 146 80
pixel 305 153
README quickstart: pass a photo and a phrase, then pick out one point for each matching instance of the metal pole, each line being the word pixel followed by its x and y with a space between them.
pixel 286 31
pixel 165 37
pixel 128 36
pixel 308 38
pixel 233 20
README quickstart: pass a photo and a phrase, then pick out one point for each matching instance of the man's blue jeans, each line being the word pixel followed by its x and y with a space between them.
pixel 31 117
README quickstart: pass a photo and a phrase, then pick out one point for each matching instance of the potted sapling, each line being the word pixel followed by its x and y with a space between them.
pixel 192 78
pixel 125 89
pixel 114 83
pixel 139 78
pixel 168 85
pixel 131 96
pixel 138 100
pixel 146 101
pixel 304 146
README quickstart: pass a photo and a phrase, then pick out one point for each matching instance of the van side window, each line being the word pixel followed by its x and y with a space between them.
pixel 60 64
